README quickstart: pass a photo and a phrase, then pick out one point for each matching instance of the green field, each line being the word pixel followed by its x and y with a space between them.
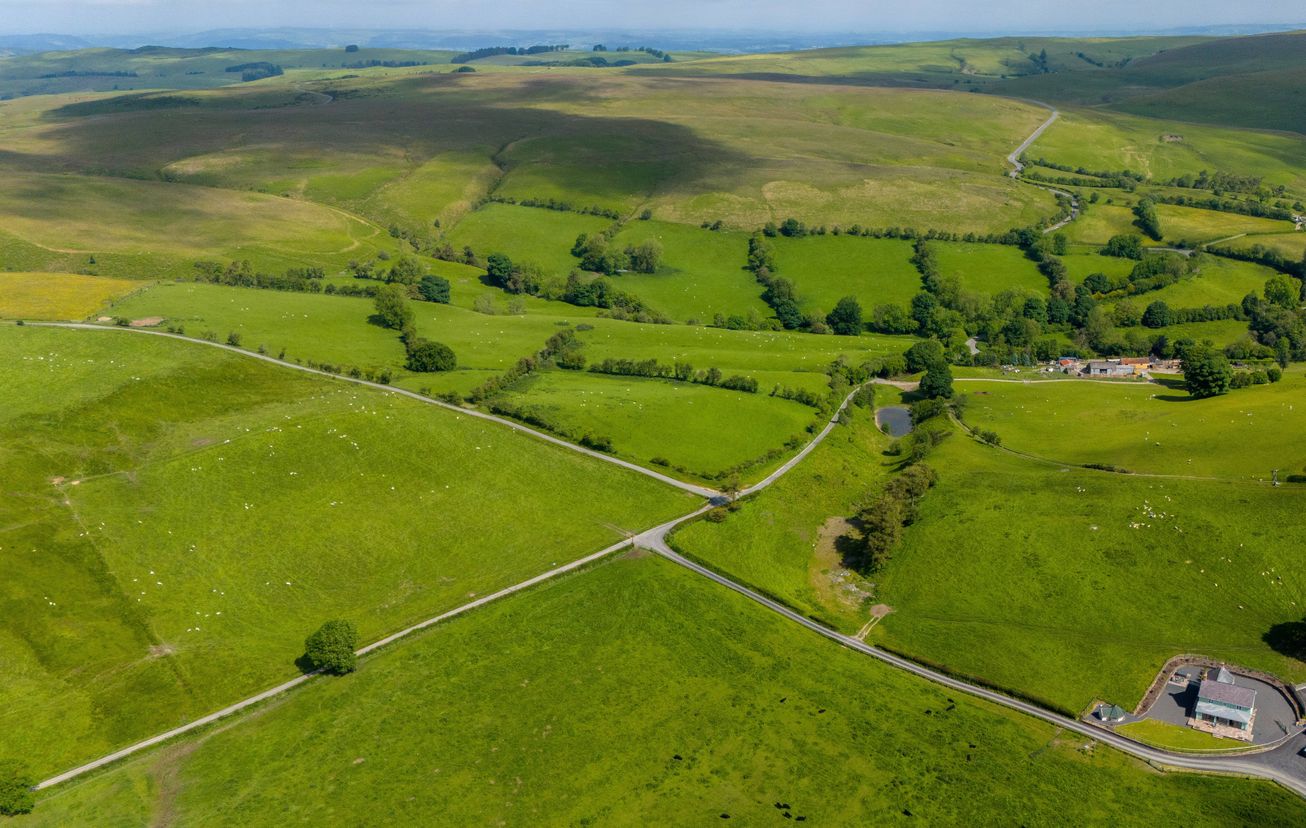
pixel 1149 428
pixel 691 426
pixel 1099 223
pixel 527 235
pixel 1173 737
pixel 702 273
pixel 1202 226
pixel 1080 266
pixel 1221 333
pixel 58 295
pixel 824 269
pixel 187 516
pixel 989 268
pixel 524 714
pixel 782 541
pixel 1216 282
pixel 1067 585
pixel 1292 245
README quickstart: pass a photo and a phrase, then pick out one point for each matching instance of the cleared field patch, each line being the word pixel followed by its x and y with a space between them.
pixel 702 272
pixel 1067 585
pixel 189 516
pixel 1222 332
pixel 1149 428
pixel 989 268
pixel 57 295
pixel 1196 225
pixel 696 427
pixel 526 235
pixel 567 659
pixel 825 269
pixel 784 541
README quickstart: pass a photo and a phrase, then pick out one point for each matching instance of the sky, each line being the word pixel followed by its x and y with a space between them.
pixel 980 16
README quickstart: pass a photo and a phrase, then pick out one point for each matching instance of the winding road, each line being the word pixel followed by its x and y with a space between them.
pixel 1282 765
pixel 1018 166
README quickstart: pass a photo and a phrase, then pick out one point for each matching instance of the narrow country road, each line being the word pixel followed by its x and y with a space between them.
pixel 1282 765
pixel 1018 166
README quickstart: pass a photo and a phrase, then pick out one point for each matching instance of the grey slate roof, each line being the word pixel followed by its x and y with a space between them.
pixel 1221 693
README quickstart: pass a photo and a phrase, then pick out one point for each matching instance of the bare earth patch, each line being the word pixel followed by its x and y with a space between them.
pixel 147 322
pixel 835 584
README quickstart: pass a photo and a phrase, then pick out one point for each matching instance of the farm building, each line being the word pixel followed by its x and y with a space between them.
pixel 1223 708
pixel 1108 368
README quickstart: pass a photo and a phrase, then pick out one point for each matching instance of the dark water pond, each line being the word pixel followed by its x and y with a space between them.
pixel 894 419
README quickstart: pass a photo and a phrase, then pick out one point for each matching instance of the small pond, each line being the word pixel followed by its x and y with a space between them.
pixel 894 420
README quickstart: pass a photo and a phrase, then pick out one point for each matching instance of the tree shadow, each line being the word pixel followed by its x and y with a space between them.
pixel 1288 638
pixel 849 548
pixel 304 665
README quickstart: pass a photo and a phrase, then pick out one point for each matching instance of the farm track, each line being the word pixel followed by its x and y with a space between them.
pixel 1281 765
pixel 1017 166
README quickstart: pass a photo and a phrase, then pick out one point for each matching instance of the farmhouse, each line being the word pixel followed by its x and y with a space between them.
pixel 1108 368
pixel 1223 708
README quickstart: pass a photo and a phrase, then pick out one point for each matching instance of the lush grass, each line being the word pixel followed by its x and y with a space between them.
pixel 1068 585
pixel 1099 223
pixel 169 226
pixel 824 269
pixel 989 268
pixel 1149 428
pixel 1292 245
pixel 57 295
pixel 702 273
pixel 1173 737
pixel 1216 282
pixel 1080 265
pixel 1195 225
pixel 178 519
pixel 695 427
pixel 779 541
pixel 736 707
pixel 1221 333
pixel 526 235
pixel 1164 149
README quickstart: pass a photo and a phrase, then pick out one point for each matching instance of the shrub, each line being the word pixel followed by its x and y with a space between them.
pixel 233 339
pixel 16 795
pixel 331 648
pixel 846 318
pixel 427 357
pixel 434 289
pixel 597 442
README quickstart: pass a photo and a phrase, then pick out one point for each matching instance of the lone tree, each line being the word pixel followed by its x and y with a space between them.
pixel 427 357
pixel 846 318
pixel 331 648
pixel 392 307
pixel 1157 315
pixel 16 784
pixel 937 382
pixel 1206 372
pixel 434 289
pixel 924 354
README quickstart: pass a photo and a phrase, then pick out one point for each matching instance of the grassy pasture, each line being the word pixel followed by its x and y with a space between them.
pixel 566 659
pixel 1292 245
pixel 1193 224
pixel 1164 149
pixel 1222 332
pixel 83 217
pixel 1080 265
pixel 1099 223
pixel 526 234
pixel 693 426
pixel 189 516
pixel 1148 428
pixel 58 295
pixel 825 269
pixel 1172 737
pixel 989 268
pixel 1068 585
pixel 778 541
pixel 1218 282
pixel 702 272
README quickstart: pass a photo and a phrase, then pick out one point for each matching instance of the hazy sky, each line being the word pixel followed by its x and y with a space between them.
pixel 125 16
